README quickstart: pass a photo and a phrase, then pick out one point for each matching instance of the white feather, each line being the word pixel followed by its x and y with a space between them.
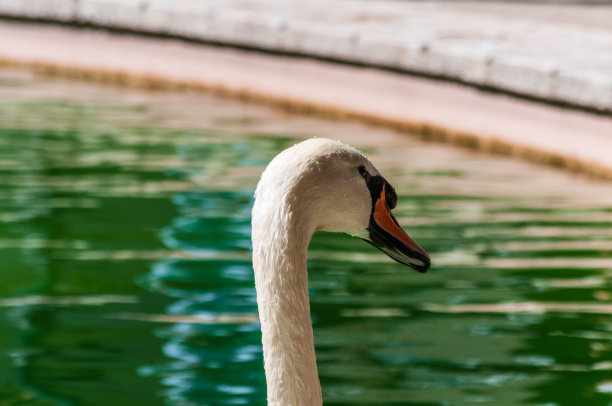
pixel 314 185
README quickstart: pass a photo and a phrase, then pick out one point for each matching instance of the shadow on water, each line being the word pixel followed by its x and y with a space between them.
pixel 126 275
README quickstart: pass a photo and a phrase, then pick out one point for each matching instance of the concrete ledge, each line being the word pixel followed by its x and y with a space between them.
pixel 559 54
pixel 434 110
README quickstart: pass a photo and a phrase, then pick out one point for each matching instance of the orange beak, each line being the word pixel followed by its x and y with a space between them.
pixel 387 235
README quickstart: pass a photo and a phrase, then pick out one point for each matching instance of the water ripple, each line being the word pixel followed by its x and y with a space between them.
pixel 127 277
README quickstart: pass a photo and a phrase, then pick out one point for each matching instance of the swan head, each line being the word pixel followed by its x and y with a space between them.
pixel 336 188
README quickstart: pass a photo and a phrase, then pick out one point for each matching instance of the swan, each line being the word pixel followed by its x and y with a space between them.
pixel 318 184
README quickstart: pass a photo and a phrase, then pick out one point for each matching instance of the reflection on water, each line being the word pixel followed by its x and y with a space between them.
pixel 204 358
pixel 126 275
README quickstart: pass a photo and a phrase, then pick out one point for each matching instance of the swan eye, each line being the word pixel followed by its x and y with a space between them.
pixel 362 171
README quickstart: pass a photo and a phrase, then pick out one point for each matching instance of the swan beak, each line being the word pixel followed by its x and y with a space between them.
pixel 387 235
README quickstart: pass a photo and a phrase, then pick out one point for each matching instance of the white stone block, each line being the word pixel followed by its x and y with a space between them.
pixel 112 13
pixel 376 49
pixel 54 10
pixel 523 75
pixel 185 18
pixel 437 59
pixel 590 88
pixel 262 32
pixel 315 39
pixel 541 58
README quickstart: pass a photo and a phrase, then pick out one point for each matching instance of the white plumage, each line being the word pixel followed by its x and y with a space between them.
pixel 318 184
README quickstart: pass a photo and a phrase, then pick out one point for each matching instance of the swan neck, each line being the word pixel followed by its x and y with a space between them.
pixel 280 243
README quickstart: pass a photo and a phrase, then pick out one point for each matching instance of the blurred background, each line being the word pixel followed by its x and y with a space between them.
pixel 132 136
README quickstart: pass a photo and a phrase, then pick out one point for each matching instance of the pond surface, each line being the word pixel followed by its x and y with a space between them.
pixel 125 272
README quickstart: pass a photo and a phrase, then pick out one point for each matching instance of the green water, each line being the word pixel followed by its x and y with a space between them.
pixel 125 272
